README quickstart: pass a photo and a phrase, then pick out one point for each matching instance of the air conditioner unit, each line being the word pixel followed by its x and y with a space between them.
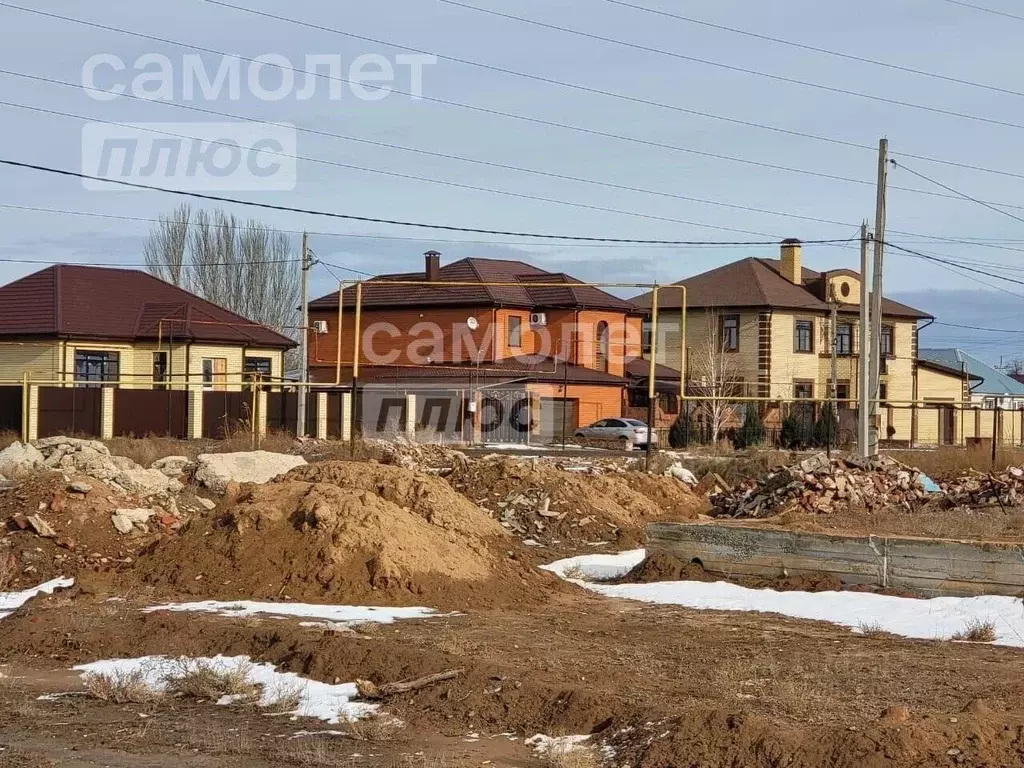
pixel 538 318
pixel 319 326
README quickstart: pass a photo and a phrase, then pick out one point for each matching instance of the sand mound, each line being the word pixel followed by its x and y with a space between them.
pixel 365 533
pixel 551 505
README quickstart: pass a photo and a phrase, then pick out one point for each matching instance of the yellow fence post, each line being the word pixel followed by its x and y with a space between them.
pixel 195 412
pixel 321 415
pixel 107 413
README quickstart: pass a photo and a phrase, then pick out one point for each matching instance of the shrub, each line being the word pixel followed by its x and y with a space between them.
pixel 826 428
pixel 199 679
pixel 681 434
pixel 977 631
pixel 752 432
pixel 120 687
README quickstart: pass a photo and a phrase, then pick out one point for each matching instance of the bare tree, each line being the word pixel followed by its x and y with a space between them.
pixel 245 267
pixel 713 374
pixel 165 249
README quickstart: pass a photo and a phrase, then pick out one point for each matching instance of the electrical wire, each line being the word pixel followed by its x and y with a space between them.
pixel 459 185
pixel 938 260
pixel 534 120
pixel 816 49
pixel 979 328
pixel 719 65
pixel 351 217
pixel 985 10
pixel 958 192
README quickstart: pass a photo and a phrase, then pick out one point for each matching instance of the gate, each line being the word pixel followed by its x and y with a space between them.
pixel 141 412
pixel 283 412
pixel 505 416
pixel 225 413
pixel 559 418
pixel 69 411
pixel 10 409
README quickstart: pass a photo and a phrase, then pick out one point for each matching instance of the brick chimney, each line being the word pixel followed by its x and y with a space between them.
pixel 792 264
pixel 432 269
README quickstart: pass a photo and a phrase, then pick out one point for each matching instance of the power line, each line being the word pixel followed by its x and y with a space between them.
pixel 486 163
pixel 373 220
pixel 958 192
pixel 986 10
pixel 535 120
pixel 979 328
pixel 939 260
pixel 816 49
pixel 455 184
pixel 729 67
pixel 51 262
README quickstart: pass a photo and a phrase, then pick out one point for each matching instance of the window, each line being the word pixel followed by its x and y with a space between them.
pixel 602 346
pixel 669 404
pixel 730 333
pixel 515 331
pixel 803 390
pixel 883 392
pixel 159 370
pixel 842 391
pixel 803 336
pixel 258 365
pixel 215 373
pixel 615 424
pixel 844 339
pixel 887 343
pixel 95 365
pixel 645 338
pixel 638 397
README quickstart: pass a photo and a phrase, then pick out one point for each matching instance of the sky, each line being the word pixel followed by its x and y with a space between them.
pixel 935 36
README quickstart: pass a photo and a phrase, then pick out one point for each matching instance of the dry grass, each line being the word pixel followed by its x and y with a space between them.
pixel 146 450
pixel 572 756
pixel 374 728
pixel 8 570
pixel 213 739
pixel 199 679
pixel 977 631
pixel 15 757
pixel 308 751
pixel 283 698
pixel 7 437
pixel 120 687
pixel 872 629
pixel 951 460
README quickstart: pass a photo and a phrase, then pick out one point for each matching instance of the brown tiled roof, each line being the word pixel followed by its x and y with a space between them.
pixel 575 295
pixel 757 284
pixel 639 369
pixel 76 302
pixel 540 370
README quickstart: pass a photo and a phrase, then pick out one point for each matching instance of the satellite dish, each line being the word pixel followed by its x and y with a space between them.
pixel 472 323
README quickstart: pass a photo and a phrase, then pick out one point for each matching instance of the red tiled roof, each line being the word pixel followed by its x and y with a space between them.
pixel 757 283
pixel 72 301
pixel 575 295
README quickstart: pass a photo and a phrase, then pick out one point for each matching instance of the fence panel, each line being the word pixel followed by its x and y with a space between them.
pixel 70 411
pixel 141 412
pixel 10 409
pixel 283 412
pixel 224 413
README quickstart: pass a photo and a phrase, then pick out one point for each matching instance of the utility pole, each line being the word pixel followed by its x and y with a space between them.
pixel 863 384
pixel 307 264
pixel 876 292
pixel 833 389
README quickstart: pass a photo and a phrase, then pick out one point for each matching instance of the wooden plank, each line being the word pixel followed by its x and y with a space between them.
pixel 926 566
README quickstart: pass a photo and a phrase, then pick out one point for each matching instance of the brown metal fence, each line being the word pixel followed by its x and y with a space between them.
pixel 70 411
pixel 141 412
pixel 10 409
pixel 283 412
pixel 225 413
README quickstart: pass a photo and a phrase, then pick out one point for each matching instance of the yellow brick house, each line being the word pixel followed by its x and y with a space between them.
pixel 768 323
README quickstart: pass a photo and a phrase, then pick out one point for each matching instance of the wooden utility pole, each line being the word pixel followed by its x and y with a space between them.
pixel 833 389
pixel 863 379
pixel 876 293
pixel 307 263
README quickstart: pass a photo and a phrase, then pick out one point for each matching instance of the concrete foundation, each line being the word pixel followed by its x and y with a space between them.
pixel 929 567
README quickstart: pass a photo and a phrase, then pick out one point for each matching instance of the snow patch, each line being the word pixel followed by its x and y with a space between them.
pixel 937 618
pixel 332 613
pixel 330 703
pixel 544 745
pixel 11 601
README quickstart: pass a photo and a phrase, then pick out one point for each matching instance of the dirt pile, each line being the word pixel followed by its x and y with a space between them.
pixel 55 527
pixel 825 485
pixel 348 532
pixel 548 505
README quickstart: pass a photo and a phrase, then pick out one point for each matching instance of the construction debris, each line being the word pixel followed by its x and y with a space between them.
pixel 822 484
pixel 978 489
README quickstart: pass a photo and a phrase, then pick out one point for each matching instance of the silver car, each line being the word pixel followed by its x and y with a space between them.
pixel 626 432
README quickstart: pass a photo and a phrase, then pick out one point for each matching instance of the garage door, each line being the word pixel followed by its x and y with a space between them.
pixel 554 412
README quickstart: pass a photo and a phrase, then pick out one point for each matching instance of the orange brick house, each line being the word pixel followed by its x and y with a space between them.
pixel 497 324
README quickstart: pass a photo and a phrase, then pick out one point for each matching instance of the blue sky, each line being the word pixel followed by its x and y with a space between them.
pixel 929 35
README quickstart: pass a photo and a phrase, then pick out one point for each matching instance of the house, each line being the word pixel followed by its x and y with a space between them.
pixel 499 326
pixel 761 328
pixel 75 324
pixel 989 388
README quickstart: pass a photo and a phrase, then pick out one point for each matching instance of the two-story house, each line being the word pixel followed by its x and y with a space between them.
pixel 765 325
pixel 484 325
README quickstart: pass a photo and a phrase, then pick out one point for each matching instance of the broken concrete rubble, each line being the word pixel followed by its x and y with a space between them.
pixel 216 470
pixel 20 456
pixel 172 466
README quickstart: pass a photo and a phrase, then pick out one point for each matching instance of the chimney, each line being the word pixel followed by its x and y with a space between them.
pixel 792 266
pixel 433 266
